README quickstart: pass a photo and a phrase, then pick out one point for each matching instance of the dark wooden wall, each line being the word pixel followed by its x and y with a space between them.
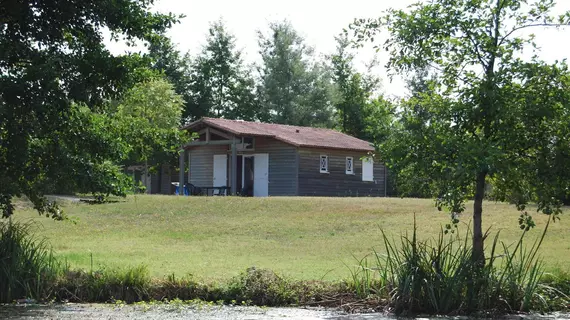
pixel 282 165
pixel 336 183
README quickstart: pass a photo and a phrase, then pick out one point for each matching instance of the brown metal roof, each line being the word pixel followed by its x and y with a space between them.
pixel 295 135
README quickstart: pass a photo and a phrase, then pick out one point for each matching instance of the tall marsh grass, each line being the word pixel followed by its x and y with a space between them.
pixel 28 268
pixel 130 284
pixel 437 275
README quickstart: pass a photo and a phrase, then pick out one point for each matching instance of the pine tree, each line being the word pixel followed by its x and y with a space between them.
pixel 221 84
pixel 294 88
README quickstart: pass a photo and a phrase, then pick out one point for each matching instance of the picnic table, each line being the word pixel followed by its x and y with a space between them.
pixel 190 190
pixel 216 191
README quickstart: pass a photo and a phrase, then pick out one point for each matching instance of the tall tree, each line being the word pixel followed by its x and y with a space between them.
pixel 354 90
pixel 52 55
pixel 149 116
pixel 151 111
pixel 295 89
pixel 176 68
pixel 491 116
pixel 221 84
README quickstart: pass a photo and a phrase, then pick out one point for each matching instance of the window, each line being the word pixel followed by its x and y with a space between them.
pixel 324 168
pixel 246 144
pixel 367 169
pixel 349 165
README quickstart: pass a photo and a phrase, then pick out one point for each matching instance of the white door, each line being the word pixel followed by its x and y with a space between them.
pixel 261 175
pixel 220 170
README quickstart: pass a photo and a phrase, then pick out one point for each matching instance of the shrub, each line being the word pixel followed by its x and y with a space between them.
pixel 262 287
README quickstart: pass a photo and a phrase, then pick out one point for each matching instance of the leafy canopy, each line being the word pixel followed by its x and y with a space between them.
pixel 149 115
pixel 52 61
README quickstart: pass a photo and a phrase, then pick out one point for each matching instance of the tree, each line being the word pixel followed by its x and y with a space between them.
pixel 355 91
pixel 222 86
pixel 176 68
pixel 151 111
pixel 150 115
pixel 88 151
pixel 52 57
pixel 294 88
pixel 490 116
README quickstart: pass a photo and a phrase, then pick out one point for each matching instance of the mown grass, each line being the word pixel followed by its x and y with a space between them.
pixel 216 238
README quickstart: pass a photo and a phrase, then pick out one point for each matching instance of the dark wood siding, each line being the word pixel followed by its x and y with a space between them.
pixel 165 179
pixel 282 166
pixel 154 183
pixel 202 164
pixel 336 183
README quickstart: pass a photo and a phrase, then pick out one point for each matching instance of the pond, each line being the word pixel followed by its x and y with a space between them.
pixel 198 311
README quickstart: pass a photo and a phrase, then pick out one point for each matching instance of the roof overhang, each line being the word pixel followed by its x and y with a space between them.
pixel 203 122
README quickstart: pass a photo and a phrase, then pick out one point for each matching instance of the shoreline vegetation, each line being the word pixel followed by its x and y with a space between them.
pixel 410 275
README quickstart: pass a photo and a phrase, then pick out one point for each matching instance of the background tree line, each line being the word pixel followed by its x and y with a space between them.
pixel 290 85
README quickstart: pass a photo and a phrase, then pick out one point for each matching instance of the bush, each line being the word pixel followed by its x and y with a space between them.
pixel 28 268
pixel 263 288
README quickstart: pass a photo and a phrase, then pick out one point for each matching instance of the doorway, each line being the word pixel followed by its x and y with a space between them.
pixel 252 175
pixel 247 176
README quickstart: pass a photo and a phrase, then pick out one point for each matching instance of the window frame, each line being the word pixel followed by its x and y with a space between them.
pixel 321 163
pixel 347 171
pixel 242 143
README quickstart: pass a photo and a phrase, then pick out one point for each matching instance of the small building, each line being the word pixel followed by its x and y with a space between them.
pixel 263 159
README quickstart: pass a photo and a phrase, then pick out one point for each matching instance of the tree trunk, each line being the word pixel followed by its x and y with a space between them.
pixel 478 248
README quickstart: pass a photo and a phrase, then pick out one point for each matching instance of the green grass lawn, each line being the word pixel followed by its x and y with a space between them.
pixel 218 237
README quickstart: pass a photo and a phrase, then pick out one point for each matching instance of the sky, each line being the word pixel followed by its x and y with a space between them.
pixel 318 21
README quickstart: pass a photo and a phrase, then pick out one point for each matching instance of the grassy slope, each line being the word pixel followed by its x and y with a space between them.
pixel 217 237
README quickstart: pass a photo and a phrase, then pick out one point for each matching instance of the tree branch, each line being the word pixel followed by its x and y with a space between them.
pixel 476 49
pixel 531 26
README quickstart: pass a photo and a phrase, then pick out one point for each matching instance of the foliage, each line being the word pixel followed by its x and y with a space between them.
pixel 489 116
pixel 221 84
pixel 294 88
pixel 436 276
pixel 176 69
pixel 149 115
pixel 28 268
pixel 355 90
pixel 53 56
pixel 90 150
